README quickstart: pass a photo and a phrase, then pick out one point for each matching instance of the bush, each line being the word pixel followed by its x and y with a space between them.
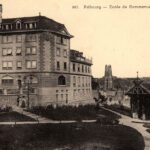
pixel 66 112
pixel 78 113
pixel 5 108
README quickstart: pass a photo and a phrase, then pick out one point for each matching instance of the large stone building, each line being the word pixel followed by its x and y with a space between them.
pixel 36 63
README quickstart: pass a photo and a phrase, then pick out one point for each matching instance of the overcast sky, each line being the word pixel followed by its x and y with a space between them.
pixel 120 37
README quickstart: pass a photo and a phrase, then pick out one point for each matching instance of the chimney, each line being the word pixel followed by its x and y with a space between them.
pixel 1 13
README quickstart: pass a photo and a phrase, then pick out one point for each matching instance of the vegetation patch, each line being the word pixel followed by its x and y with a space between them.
pixel 13 116
pixel 120 109
pixel 70 136
pixel 82 112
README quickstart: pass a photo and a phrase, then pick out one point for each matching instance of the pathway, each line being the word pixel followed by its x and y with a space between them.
pixel 136 124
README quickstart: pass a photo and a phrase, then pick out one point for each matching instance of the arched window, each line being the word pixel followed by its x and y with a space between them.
pixel 61 80
pixel 18 24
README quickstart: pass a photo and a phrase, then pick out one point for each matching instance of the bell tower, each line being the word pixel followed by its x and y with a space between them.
pixel 108 79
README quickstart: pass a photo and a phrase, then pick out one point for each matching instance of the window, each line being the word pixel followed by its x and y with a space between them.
pixel 83 81
pixel 7 65
pixel 1 91
pixel 3 27
pixel 74 67
pixel 65 53
pixel 31 37
pixel 74 93
pixel 34 25
pixel 18 38
pixel 62 97
pixel 74 81
pixel 66 98
pixel 12 91
pixel 58 40
pixel 58 51
pixel 28 50
pixel 18 25
pixel 56 97
pixel 58 65
pixel 31 64
pixel 61 80
pixel 30 25
pixel 19 65
pixel 27 25
pixel 7 52
pixel 32 90
pixel 18 51
pixel 86 81
pixel 65 66
pixel 65 41
pixel 7 27
pixel 34 79
pixel 7 80
pixel 61 40
pixel 82 68
pixel 86 69
pixel 79 81
pixel 31 51
pixel 78 67
pixel 7 39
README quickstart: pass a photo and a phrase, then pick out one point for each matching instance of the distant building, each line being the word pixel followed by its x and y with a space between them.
pixel 108 78
pixel 36 62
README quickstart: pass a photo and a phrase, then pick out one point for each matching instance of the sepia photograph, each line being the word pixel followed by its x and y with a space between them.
pixel 74 75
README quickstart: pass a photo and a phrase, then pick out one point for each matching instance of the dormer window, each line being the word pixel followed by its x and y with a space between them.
pixel 18 25
pixel 7 27
pixel 31 25
pixel 27 26
pixel 34 25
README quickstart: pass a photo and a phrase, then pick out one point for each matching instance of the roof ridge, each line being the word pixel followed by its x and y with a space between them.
pixel 32 17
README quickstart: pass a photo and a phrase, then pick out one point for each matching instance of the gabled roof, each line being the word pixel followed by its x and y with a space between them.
pixel 43 23
pixel 138 88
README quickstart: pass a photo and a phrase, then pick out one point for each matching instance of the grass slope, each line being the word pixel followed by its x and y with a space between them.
pixel 13 116
pixel 88 136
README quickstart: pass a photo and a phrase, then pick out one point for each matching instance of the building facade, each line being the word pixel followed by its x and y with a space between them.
pixel 36 63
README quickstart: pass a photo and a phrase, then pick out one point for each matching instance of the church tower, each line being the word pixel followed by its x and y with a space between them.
pixel 108 79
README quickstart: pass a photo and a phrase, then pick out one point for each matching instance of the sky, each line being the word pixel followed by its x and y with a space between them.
pixel 119 37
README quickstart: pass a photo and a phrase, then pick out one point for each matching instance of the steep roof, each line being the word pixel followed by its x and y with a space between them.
pixel 42 23
pixel 138 88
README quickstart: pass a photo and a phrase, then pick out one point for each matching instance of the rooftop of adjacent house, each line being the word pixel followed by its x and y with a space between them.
pixel 33 23
pixel 77 56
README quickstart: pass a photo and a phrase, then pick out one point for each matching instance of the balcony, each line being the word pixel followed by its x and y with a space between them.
pixel 77 56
